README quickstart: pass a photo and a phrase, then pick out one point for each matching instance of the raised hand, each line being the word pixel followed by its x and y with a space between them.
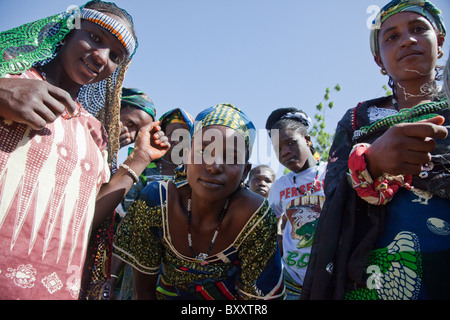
pixel 405 147
pixel 151 143
pixel 33 102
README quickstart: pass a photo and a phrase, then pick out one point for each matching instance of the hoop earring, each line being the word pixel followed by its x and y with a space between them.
pixel 383 72
pixel 441 53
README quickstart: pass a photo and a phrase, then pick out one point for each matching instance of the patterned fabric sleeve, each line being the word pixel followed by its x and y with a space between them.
pixel 261 274
pixel 138 238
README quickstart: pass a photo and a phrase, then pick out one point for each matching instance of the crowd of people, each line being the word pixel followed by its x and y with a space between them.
pixel 191 218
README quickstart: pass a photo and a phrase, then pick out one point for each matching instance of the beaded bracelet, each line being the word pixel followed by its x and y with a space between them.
pixel 380 191
pixel 130 171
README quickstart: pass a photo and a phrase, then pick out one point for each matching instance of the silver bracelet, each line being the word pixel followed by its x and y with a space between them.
pixel 130 171
pixel 114 276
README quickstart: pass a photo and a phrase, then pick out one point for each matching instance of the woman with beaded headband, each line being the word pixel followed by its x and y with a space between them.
pixel 203 235
pixel 55 156
pixel 382 232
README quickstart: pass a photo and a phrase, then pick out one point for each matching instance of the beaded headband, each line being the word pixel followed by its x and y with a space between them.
pixel 113 26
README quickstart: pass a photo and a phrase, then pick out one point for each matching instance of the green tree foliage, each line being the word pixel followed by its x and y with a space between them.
pixel 323 139
pixel 387 90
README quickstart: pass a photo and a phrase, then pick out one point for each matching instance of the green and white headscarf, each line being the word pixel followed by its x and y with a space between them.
pixel 422 7
pixel 36 43
pixel 138 99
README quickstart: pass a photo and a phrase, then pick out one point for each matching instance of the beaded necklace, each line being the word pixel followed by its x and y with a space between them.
pixel 201 257
pixel 313 188
pixel 420 112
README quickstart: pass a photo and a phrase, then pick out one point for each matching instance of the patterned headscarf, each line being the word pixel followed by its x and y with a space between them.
pixel 422 7
pixel 222 115
pixel 229 116
pixel 177 115
pixel 36 43
pixel 287 113
pixel 138 99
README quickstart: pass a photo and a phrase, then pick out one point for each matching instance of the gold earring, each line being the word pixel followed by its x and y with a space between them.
pixel 383 72
pixel 441 53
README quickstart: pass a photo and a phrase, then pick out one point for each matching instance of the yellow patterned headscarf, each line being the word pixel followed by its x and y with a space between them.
pixel 224 114
pixel 227 115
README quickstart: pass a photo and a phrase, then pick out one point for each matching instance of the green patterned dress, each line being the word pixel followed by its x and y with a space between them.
pixel 249 268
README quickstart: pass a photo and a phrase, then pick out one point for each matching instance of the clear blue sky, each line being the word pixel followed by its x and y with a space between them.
pixel 256 54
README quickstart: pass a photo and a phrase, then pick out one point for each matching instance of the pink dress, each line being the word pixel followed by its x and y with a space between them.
pixel 49 180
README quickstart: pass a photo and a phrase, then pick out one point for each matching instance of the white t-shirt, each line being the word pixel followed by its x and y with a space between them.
pixel 302 211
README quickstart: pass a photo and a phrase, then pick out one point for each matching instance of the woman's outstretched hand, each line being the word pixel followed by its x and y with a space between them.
pixel 405 147
pixel 33 102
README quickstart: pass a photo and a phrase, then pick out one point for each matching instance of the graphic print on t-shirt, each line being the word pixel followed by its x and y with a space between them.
pixel 303 214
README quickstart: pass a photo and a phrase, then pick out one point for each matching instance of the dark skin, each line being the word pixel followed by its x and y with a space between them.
pixel 36 103
pixel 408 52
pixel 131 119
pixel 292 150
pixel 261 180
pixel 167 167
pixel 89 55
pixel 212 184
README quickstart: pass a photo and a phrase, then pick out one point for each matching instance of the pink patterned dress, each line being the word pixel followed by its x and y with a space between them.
pixel 49 180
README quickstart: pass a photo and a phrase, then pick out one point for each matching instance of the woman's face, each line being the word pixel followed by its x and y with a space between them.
pixel 408 47
pixel 216 165
pixel 292 149
pixel 131 120
pixel 91 53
